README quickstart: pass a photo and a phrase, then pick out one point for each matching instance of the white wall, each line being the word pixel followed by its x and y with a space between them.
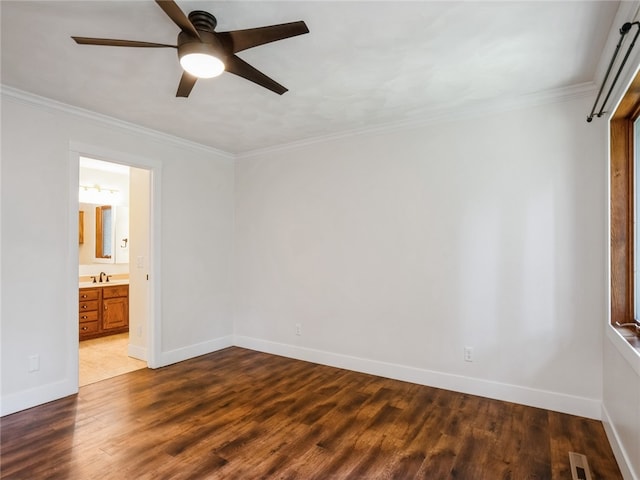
pixel 392 251
pixel 395 251
pixel 39 244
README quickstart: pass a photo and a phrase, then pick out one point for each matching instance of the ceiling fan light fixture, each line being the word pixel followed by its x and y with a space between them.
pixel 205 53
pixel 202 65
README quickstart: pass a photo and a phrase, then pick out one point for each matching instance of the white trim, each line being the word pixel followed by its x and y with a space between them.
pixel 622 456
pixel 48 103
pixel 110 155
pixel 559 402
pixel 154 322
pixel 136 351
pixel 192 351
pixel 628 352
pixel 71 277
pixel 429 117
pixel 444 114
pixel 32 397
pixel 611 111
pixel 154 331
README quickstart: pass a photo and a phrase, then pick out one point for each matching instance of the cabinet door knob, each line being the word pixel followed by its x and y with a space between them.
pixel 84 306
pixel 105 307
pixel 85 328
pixel 84 295
pixel 84 316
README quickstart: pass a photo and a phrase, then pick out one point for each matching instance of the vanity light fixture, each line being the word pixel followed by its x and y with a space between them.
pixel 98 194
pixel 98 188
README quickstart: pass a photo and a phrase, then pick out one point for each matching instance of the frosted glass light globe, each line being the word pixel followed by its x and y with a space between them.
pixel 202 65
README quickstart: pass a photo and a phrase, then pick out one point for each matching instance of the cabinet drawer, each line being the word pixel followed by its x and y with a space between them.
pixel 118 291
pixel 87 306
pixel 88 327
pixel 89 294
pixel 89 316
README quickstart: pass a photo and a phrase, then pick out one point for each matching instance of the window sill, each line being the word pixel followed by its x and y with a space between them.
pixel 628 347
pixel 630 336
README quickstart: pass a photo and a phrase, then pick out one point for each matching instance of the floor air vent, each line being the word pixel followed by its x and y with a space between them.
pixel 579 466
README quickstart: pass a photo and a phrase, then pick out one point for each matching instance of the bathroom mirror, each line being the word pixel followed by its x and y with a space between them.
pixel 104 232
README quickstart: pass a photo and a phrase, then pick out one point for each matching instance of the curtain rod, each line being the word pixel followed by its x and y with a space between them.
pixel 623 31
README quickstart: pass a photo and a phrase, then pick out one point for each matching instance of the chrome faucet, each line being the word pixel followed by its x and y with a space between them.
pixel 101 275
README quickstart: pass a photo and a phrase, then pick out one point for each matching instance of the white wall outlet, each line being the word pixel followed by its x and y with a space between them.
pixel 468 354
pixel 298 329
pixel 34 363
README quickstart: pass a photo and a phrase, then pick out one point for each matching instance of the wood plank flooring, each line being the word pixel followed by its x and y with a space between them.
pixel 241 414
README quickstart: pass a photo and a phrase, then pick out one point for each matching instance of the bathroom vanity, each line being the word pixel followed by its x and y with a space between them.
pixel 103 310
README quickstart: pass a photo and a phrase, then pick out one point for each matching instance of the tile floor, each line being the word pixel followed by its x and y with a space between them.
pixel 106 357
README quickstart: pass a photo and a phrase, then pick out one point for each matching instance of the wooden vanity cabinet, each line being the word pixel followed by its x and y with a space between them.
pixel 103 311
pixel 89 313
pixel 115 307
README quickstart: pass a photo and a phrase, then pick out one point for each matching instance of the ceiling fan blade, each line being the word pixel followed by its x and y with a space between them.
pixel 119 43
pixel 179 18
pixel 187 81
pixel 239 40
pixel 239 67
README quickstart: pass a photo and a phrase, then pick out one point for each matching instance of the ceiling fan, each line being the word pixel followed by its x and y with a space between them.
pixel 205 53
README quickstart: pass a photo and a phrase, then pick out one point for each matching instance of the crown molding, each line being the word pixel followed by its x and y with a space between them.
pixel 442 115
pixel 438 115
pixel 48 103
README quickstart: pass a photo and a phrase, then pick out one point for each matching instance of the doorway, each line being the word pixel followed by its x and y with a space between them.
pixel 114 259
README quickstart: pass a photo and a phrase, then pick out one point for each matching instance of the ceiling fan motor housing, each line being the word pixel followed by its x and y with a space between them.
pixel 210 45
pixel 203 21
pixel 205 24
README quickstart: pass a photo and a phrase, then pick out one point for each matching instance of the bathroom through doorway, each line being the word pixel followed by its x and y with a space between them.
pixel 113 266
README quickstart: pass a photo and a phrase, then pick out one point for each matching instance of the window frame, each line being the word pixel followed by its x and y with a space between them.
pixel 622 198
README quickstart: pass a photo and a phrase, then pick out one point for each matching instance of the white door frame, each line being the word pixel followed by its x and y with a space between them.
pixel 76 150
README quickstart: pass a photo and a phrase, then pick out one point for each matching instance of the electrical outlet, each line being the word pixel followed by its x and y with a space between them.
pixel 34 363
pixel 298 329
pixel 468 354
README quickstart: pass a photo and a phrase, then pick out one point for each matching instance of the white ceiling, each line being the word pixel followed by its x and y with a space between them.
pixel 364 64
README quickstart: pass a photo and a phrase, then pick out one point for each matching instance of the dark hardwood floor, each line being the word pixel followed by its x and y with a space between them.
pixel 241 414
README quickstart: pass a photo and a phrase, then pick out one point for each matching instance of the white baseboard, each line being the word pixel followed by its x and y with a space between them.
pixel 559 402
pixel 136 351
pixel 500 391
pixel 185 353
pixel 33 397
pixel 622 456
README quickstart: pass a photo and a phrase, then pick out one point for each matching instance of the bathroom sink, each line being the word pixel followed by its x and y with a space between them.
pixel 104 284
